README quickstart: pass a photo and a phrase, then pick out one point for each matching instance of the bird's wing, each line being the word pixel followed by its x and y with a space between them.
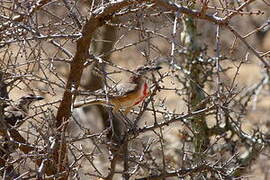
pixel 14 116
pixel 125 88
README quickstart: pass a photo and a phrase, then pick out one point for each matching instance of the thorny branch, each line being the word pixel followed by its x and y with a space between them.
pixel 152 28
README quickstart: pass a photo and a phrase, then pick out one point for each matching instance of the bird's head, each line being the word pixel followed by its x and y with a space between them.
pixel 25 101
pixel 142 70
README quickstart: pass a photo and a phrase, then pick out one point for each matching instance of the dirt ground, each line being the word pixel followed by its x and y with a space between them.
pixel 258 116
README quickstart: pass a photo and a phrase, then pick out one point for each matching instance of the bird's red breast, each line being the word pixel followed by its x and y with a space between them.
pixel 144 94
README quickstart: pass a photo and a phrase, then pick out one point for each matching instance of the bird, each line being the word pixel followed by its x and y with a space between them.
pixel 127 94
pixel 14 115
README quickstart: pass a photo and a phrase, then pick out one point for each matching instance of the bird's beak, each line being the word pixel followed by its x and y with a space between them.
pixel 154 68
pixel 39 98
pixel 157 68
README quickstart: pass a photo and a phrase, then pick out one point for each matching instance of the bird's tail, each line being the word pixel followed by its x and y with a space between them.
pixel 91 102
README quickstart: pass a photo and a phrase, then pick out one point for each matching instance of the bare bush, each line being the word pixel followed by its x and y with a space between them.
pixel 207 113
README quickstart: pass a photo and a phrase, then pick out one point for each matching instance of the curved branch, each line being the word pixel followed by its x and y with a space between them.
pixel 97 19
